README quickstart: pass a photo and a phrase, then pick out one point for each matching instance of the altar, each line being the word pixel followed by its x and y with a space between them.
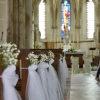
pixel 75 54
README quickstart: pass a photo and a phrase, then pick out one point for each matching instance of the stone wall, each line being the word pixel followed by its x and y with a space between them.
pixel 3 20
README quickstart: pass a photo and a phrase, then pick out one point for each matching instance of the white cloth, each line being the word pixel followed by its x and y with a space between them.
pixel 65 67
pixel 54 85
pixel 34 90
pixel 63 75
pixel 9 80
pixel 66 48
pixel 43 73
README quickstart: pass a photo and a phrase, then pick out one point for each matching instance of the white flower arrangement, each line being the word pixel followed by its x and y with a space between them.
pixel 44 58
pixel 50 55
pixel 71 50
pixel 33 58
pixel 9 54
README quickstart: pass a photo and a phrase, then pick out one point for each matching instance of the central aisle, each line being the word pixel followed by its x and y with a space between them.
pixel 84 87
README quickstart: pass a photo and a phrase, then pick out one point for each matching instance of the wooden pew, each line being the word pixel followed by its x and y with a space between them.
pixel 21 86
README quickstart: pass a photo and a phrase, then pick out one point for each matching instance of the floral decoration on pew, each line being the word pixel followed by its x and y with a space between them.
pixel 50 55
pixel 44 58
pixel 33 58
pixel 9 54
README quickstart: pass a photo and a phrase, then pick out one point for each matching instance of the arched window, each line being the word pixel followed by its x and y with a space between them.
pixel 42 19
pixel 90 19
pixel 65 17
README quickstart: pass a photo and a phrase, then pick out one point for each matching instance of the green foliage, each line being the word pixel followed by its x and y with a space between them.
pixel 71 50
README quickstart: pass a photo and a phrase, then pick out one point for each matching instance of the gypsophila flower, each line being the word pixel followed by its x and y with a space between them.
pixel 9 54
pixel 50 55
pixel 71 50
pixel 44 57
pixel 33 58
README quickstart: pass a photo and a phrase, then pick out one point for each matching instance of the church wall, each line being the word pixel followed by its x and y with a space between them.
pixel 72 29
pixel 3 19
pixel 49 33
pixel 85 44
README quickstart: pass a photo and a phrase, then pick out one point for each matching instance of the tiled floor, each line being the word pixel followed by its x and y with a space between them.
pixel 84 87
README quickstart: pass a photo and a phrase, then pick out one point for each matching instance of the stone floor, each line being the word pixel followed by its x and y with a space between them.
pixel 83 87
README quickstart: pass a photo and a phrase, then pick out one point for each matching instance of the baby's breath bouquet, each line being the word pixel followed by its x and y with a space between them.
pixel 44 58
pixel 71 50
pixel 9 54
pixel 33 58
pixel 51 55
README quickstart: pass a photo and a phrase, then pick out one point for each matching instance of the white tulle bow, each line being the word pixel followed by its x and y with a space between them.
pixel 51 61
pixel 55 92
pixel 41 65
pixel 9 75
pixel 9 80
pixel 34 90
pixel 32 67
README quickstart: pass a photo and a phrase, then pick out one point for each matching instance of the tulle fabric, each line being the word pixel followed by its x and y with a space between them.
pixel 9 80
pixel 54 85
pixel 65 67
pixel 34 90
pixel 63 75
pixel 43 73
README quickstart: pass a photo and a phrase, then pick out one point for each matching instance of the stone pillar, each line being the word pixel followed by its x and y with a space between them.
pixel 54 6
pixel 78 10
pixel 9 20
pixel 36 25
pixel 36 18
pixel 28 14
pixel 77 36
pixel 22 43
pixel 32 30
pixel 35 4
pixel 15 22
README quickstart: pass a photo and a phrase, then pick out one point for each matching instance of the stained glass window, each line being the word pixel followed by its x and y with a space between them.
pixel 65 17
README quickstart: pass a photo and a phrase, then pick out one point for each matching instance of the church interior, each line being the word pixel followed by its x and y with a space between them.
pixel 62 36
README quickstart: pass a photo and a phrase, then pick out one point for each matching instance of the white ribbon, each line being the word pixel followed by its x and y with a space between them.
pixel 34 90
pixel 9 80
pixel 57 93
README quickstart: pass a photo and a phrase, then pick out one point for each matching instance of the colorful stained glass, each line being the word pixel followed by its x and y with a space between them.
pixel 65 17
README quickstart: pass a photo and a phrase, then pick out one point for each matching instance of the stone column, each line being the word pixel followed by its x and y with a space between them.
pixel 15 22
pixel 28 14
pixel 97 23
pixel 78 10
pixel 22 43
pixel 35 4
pixel 9 20
pixel 54 6
pixel 54 26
